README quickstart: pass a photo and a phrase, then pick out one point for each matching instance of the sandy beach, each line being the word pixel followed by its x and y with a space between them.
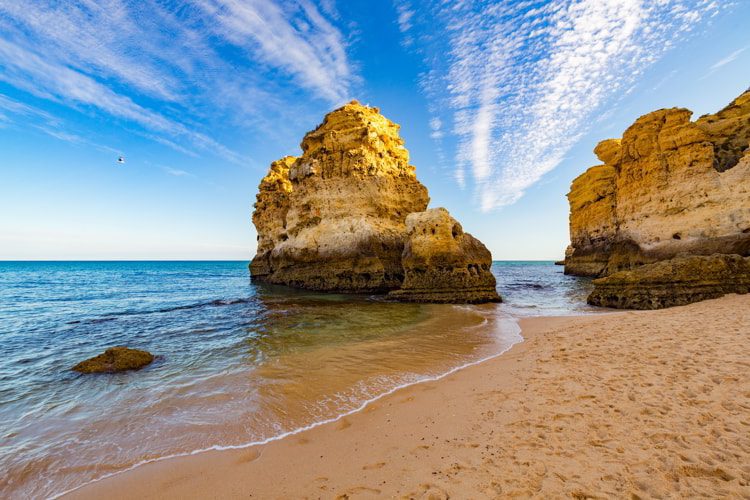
pixel 633 404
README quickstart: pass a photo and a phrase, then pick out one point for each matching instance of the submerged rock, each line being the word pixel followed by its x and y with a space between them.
pixel 334 219
pixel 115 359
pixel 674 282
pixel 444 264
pixel 669 186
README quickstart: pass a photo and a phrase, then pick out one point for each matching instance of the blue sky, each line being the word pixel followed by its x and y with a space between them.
pixel 500 105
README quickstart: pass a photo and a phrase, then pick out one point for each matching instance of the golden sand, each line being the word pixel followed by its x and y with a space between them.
pixel 627 405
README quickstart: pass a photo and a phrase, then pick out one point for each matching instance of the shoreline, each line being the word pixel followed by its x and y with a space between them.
pixel 499 320
pixel 534 420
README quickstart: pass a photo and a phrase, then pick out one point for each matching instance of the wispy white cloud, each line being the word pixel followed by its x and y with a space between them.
pixel 62 135
pixel 525 79
pixel 405 13
pixel 730 58
pixel 436 127
pixel 294 37
pixel 405 17
pixel 176 70
pixel 18 108
pixel 103 36
pixel 31 117
pixel 177 172
pixel 723 62
pixel 329 8
pixel 53 81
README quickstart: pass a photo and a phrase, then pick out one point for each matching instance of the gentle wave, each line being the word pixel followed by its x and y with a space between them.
pixel 197 305
pixel 529 286
pixel 246 364
pixel 503 323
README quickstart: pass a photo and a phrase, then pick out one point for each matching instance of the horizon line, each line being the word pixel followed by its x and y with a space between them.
pixel 206 260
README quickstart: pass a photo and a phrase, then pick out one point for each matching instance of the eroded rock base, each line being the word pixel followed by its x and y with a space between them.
pixel 675 282
pixel 442 263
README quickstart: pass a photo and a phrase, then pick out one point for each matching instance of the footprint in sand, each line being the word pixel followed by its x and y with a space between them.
pixel 249 456
pixel 428 492
pixel 378 465
pixel 359 492
pixel 421 447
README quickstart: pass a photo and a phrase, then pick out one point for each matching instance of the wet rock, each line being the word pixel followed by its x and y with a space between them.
pixel 115 359
pixel 674 282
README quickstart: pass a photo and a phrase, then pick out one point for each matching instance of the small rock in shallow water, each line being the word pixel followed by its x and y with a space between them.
pixel 115 359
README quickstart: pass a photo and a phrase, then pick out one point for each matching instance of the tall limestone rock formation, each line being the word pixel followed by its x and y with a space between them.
pixel 669 186
pixel 334 218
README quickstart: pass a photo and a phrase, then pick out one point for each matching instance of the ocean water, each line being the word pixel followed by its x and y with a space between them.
pixel 237 363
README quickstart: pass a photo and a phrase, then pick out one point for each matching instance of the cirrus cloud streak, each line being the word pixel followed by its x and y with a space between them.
pixel 523 79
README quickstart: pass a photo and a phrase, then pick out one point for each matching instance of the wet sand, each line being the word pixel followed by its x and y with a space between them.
pixel 632 404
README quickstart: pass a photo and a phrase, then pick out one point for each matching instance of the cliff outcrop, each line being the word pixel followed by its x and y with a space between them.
pixel 442 263
pixel 673 282
pixel 669 186
pixel 270 212
pixel 334 218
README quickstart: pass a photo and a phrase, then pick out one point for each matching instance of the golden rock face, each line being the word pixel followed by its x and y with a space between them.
pixel 667 187
pixel 334 219
pixel 444 264
pixel 271 208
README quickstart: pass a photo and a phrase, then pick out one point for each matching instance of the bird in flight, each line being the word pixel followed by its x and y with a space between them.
pixel 121 159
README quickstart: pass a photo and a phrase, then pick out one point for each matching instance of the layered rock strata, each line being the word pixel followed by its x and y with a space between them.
pixel 334 219
pixel 673 282
pixel 442 263
pixel 669 186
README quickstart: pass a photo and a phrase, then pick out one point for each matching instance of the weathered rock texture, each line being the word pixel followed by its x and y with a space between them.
pixel 673 282
pixel 669 186
pixel 334 218
pixel 115 359
pixel 444 264
pixel 270 213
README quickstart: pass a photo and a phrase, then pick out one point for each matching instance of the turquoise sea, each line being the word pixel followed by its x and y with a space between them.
pixel 237 363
